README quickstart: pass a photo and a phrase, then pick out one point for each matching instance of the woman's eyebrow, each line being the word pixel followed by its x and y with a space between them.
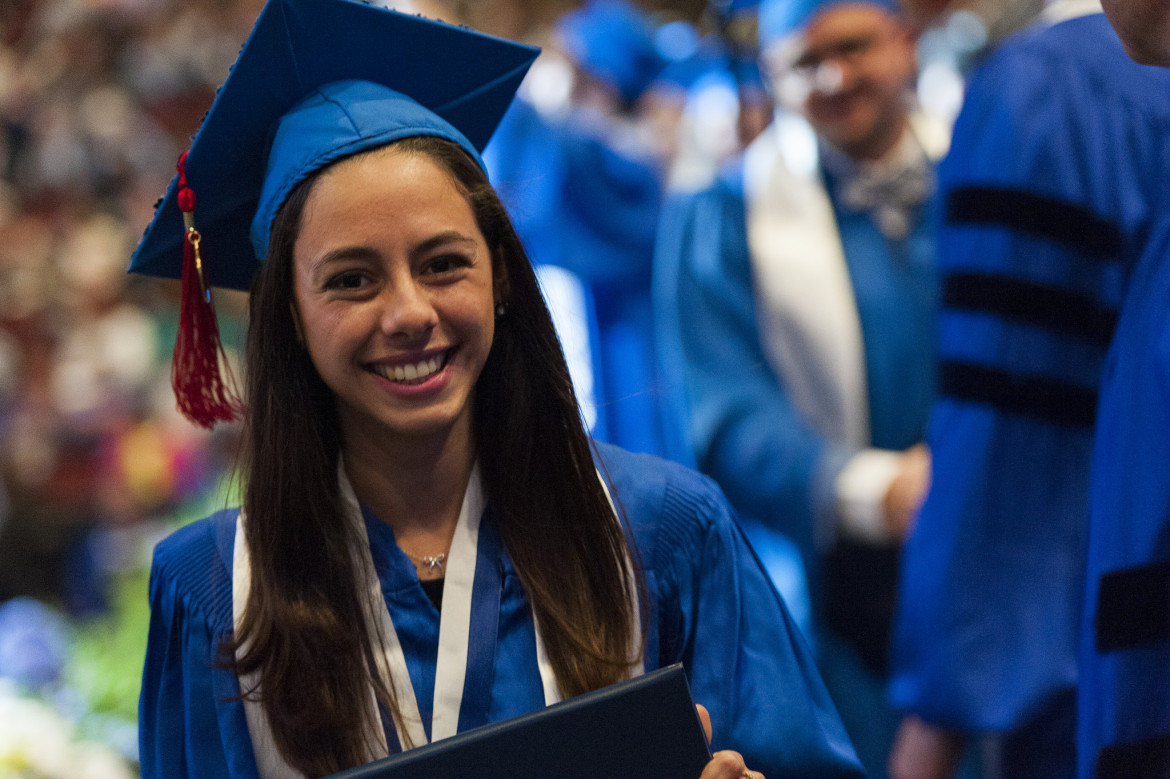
pixel 342 253
pixel 445 237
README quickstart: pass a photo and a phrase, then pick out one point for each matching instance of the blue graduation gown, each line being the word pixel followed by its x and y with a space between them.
pixel 711 607
pixel 744 428
pixel 1124 692
pixel 580 204
pixel 1045 219
pixel 776 466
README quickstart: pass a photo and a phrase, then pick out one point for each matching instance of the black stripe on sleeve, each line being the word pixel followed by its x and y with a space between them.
pixel 1046 399
pixel 1146 759
pixel 1067 223
pixel 1133 607
pixel 1052 308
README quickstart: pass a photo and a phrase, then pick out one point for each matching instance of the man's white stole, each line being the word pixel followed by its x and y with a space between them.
pixel 806 312
pixel 454 630
pixel 806 309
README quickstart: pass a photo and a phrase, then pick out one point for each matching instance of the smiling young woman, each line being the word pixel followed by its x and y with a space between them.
pixel 356 251
pixel 429 541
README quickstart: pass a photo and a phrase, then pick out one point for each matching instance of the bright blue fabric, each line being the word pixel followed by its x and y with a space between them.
pixel 333 121
pixel 1125 694
pixel 612 41
pixel 527 169
pixel 743 429
pixel 712 608
pixel 993 576
pixel 778 18
pixel 896 291
pixel 580 204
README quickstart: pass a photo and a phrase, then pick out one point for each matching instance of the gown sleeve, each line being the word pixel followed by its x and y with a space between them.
pixel 745 431
pixel 190 724
pixel 1031 259
pixel 749 665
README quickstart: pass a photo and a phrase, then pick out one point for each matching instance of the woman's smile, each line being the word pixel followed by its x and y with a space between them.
pixel 412 371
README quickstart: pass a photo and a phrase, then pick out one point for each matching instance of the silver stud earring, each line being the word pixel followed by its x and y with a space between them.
pixel 500 310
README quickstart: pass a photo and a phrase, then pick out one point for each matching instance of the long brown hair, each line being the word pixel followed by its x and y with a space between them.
pixel 304 629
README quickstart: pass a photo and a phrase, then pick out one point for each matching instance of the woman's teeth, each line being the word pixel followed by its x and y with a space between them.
pixel 415 372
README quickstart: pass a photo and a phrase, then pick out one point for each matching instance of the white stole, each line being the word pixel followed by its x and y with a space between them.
pixel 454 629
pixel 1056 11
pixel 806 309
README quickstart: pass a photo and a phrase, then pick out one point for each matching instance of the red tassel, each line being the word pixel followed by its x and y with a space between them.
pixel 197 371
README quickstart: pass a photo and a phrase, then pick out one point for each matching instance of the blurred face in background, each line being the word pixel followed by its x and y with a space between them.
pixel 848 72
pixel 921 14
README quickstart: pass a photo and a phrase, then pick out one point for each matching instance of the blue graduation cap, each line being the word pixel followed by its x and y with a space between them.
pixel 779 18
pixel 422 77
pixel 316 80
pixel 613 41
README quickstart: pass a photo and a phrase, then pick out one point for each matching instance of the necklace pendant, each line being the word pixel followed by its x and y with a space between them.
pixel 433 561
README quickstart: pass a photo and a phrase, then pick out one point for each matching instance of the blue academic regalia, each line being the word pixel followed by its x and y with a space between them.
pixel 775 463
pixel 711 607
pixel 606 217
pixel 587 202
pixel 743 427
pixel 581 205
pixel 1124 703
pixel 1047 211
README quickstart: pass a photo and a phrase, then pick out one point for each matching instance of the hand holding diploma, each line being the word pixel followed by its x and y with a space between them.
pixel 727 763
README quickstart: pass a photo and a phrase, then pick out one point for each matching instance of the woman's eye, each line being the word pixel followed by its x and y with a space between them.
pixel 447 263
pixel 346 281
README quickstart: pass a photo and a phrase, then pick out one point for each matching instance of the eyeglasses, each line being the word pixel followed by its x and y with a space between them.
pixel 847 51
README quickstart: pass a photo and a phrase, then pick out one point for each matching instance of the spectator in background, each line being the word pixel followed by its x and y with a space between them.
pixel 1054 192
pixel 95 100
pixel 796 304
pixel 727 105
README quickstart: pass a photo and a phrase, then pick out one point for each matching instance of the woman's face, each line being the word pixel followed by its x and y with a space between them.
pixel 393 290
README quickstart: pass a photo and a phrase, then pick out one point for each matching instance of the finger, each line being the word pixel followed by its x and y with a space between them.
pixel 705 718
pixel 729 764
pixel 725 764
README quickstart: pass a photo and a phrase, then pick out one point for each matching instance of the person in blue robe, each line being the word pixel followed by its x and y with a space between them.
pixel 1124 690
pixel 1048 213
pixel 796 301
pixel 428 540
pixel 712 608
pixel 586 188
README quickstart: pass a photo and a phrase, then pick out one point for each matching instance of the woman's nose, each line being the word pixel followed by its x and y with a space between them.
pixel 407 311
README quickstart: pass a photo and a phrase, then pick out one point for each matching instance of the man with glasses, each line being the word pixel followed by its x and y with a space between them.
pixel 795 298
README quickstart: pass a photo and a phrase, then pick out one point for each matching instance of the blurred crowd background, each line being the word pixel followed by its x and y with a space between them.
pixel 97 100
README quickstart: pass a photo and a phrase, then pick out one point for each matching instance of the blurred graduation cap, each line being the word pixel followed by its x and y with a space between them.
pixel 780 18
pixel 315 81
pixel 613 41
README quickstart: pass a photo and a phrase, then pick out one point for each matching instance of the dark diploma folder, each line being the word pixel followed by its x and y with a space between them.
pixel 645 727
